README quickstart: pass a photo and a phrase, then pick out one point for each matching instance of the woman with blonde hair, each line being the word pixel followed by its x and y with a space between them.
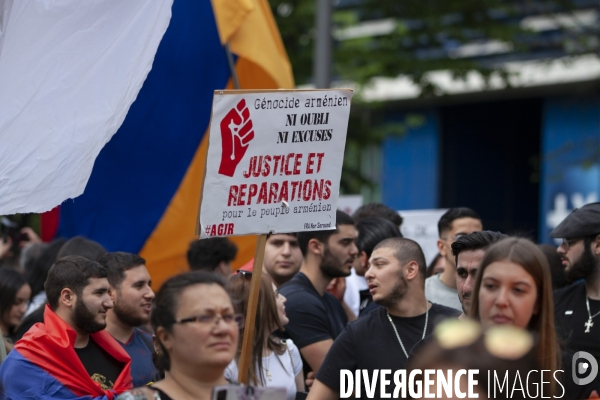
pixel 514 287
pixel 273 362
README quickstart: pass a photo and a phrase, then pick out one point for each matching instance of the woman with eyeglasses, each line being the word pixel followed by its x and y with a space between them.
pixel 514 287
pixel 273 362
pixel 15 293
pixel 197 333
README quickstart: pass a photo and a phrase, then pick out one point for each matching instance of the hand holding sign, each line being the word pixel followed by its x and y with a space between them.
pixel 236 132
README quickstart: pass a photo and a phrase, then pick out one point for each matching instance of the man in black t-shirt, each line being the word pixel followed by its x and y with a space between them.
pixel 316 316
pixel 577 307
pixel 383 338
pixel 100 366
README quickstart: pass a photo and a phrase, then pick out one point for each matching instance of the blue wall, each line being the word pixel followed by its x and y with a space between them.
pixel 411 166
pixel 570 158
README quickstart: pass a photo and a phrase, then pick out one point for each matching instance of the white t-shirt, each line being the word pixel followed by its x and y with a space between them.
pixel 437 292
pixel 35 303
pixel 354 284
pixel 283 369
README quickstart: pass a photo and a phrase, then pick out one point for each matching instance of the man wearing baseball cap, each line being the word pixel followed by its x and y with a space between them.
pixel 577 307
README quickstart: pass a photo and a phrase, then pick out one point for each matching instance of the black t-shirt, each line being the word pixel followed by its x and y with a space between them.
pixel 312 318
pixel 100 365
pixel 370 343
pixel 366 303
pixel 571 317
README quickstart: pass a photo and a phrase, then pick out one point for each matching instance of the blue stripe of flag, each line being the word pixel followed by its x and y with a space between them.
pixel 139 170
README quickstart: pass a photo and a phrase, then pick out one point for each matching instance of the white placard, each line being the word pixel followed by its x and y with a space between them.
pixel 422 227
pixel 274 161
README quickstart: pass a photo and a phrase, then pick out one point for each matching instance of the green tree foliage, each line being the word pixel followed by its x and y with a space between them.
pixel 414 37
pixel 375 38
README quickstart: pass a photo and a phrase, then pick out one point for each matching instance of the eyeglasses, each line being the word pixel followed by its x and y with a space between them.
pixel 567 243
pixel 229 319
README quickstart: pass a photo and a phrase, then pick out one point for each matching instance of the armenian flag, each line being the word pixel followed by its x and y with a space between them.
pixel 143 192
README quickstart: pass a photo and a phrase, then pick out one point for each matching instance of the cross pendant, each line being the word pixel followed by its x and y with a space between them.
pixel 588 325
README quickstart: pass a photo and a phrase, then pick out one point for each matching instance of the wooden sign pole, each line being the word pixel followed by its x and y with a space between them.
pixel 250 320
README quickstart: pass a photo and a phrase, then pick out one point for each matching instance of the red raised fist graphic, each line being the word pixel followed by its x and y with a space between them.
pixel 236 133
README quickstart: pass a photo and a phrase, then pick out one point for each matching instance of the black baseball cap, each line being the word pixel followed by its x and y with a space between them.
pixel 584 221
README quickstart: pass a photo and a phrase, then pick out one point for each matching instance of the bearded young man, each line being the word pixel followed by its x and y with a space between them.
pixel 132 296
pixel 577 307
pixel 382 339
pixel 316 316
pixel 70 355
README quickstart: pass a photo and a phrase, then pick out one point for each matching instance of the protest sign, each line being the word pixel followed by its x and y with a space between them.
pixel 274 165
pixel 422 227
pixel 274 161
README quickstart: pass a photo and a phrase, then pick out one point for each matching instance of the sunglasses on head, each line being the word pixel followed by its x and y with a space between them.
pixel 244 273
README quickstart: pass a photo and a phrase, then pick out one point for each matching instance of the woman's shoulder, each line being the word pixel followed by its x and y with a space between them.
pixel 289 343
pixel 231 371
pixel 293 355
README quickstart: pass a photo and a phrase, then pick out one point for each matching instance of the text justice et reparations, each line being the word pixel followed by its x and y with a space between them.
pixel 273 192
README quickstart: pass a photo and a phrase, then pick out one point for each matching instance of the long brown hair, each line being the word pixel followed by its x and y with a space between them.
pixel 526 254
pixel 267 319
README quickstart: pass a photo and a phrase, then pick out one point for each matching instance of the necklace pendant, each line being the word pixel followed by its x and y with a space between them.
pixel 588 325
pixel 269 376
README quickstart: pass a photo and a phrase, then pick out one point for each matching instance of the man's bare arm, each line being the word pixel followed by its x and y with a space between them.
pixel 349 312
pixel 315 353
pixel 321 391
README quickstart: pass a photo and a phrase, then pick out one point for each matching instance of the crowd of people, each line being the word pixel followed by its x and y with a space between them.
pixel 80 322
